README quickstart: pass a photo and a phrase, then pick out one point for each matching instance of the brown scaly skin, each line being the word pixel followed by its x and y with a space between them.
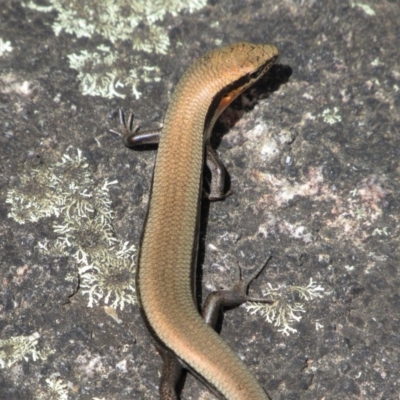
pixel 169 242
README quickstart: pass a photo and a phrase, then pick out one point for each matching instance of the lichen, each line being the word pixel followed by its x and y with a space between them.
pixel 94 82
pixel 331 117
pixel 19 348
pixel 5 47
pixel 83 228
pixel 109 274
pixel 39 198
pixel 85 236
pixel 46 191
pixel 118 22
pixel 365 7
pixel 284 311
pixel 56 389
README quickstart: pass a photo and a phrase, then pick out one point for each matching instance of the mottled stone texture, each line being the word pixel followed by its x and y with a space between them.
pixel 314 173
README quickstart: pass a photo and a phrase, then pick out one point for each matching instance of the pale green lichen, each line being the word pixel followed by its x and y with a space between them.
pixel 53 248
pixel 359 212
pixel 95 82
pixel 19 348
pixel 150 38
pixel 331 116
pixel 56 389
pixel 110 275
pixel 104 72
pixel 64 187
pixel 85 236
pixel 284 311
pixel 5 47
pixel 83 230
pixel 365 7
pixel 354 192
pixel 377 63
pixel 41 196
pixel 85 202
pixel 114 20
pixel 380 231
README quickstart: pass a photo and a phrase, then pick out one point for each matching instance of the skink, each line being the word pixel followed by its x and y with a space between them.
pixel 168 251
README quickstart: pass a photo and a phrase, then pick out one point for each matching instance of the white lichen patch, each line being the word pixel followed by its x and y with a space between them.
pixel 53 248
pixel 331 117
pixel 83 230
pixel 43 191
pixel 105 72
pixel 116 20
pixel 365 7
pixel 19 348
pixel 150 39
pixel 66 187
pixel 284 311
pixel 95 82
pixel 39 198
pixel 85 236
pixel 380 231
pixel 110 275
pixel 5 47
pixel 56 389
